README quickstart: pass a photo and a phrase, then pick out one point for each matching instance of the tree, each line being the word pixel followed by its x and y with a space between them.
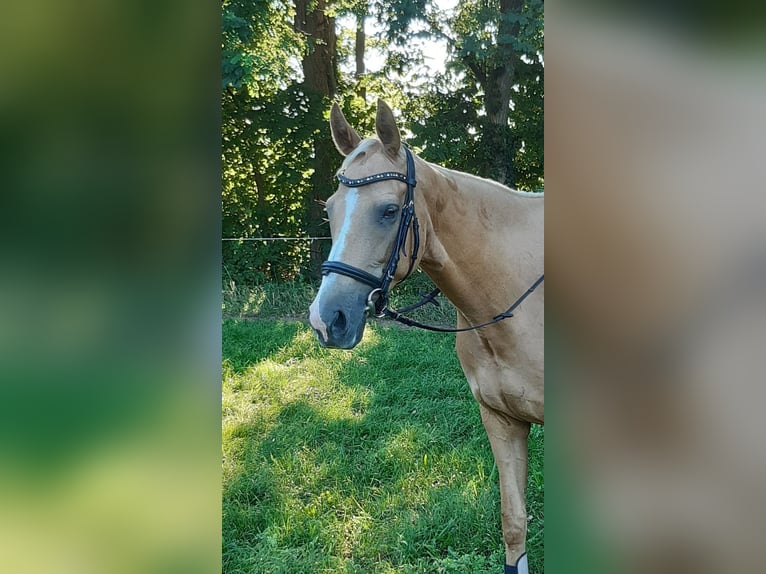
pixel 257 44
pixel 282 62
pixel 265 137
pixel 497 48
pixel 486 45
pixel 320 72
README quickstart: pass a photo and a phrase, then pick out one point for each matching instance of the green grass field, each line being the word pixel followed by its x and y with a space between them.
pixel 368 461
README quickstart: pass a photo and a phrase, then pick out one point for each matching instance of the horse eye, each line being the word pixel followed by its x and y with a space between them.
pixel 390 211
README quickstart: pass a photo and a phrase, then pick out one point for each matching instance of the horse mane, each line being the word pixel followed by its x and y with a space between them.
pixel 370 145
pixel 455 174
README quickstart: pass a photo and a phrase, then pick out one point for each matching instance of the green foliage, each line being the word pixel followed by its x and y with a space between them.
pixel 257 41
pixel 527 120
pixel 266 180
pixel 275 133
pixel 446 125
pixel 489 45
pixel 485 44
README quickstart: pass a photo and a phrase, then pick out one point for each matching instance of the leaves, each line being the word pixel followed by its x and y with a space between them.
pixel 257 42
pixel 272 124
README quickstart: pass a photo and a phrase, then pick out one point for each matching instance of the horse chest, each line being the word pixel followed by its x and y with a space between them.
pixel 504 379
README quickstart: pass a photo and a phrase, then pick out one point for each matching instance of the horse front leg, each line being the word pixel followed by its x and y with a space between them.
pixel 508 439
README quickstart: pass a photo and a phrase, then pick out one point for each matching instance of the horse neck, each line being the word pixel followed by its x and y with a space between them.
pixel 484 242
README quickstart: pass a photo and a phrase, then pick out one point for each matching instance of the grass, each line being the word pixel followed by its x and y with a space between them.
pixel 371 461
pixel 292 300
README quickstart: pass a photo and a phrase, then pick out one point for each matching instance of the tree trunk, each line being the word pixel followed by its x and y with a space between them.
pixel 359 47
pixel 319 62
pixel 497 84
pixel 319 77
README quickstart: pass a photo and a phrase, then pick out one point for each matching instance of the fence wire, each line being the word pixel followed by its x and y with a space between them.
pixel 273 238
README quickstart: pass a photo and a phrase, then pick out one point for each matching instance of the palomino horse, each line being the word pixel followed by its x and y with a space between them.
pixel 482 244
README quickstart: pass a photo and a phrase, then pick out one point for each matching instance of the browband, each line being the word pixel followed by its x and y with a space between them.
pixel 372 178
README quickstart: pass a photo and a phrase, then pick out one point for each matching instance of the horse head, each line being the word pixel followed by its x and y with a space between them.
pixel 372 222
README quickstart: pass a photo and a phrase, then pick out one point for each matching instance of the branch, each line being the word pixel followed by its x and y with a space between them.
pixel 473 65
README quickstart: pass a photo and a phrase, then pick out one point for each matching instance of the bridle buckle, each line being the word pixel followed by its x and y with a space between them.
pixel 372 303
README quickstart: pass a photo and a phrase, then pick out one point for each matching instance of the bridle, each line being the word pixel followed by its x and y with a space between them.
pixel 377 300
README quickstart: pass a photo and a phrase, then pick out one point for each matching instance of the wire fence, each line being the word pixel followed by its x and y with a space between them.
pixel 273 238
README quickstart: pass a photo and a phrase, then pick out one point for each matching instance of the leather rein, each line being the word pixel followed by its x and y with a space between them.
pixel 377 300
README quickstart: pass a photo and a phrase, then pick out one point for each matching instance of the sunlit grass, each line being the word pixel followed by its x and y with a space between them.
pixel 292 300
pixel 367 461
pixel 268 300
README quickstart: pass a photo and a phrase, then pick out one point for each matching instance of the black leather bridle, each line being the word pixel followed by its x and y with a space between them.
pixel 377 300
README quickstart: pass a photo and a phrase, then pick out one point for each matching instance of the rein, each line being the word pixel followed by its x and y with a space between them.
pixel 507 314
pixel 377 300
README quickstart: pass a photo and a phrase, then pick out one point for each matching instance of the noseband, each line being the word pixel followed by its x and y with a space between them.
pixel 377 300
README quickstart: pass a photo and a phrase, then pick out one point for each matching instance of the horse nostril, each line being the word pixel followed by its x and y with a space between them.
pixel 339 323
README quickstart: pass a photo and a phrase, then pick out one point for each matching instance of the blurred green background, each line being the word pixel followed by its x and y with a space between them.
pixel 109 287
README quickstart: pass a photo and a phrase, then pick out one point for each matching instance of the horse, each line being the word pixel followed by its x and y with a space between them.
pixel 481 243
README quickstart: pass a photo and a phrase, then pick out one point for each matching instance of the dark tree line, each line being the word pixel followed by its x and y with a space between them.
pixel 285 62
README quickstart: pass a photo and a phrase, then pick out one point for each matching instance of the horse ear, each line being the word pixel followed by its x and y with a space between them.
pixel 385 127
pixel 343 135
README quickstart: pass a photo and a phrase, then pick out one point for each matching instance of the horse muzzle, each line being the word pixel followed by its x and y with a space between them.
pixel 338 323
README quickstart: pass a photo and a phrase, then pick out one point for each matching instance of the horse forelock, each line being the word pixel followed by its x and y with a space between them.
pixel 368 148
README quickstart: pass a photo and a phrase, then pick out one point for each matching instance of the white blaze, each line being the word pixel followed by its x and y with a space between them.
pixel 339 243
pixel 338 246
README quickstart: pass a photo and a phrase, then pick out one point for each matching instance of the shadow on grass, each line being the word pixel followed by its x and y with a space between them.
pixel 377 464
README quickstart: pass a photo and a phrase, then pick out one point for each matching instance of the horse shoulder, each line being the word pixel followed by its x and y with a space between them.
pixel 504 374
